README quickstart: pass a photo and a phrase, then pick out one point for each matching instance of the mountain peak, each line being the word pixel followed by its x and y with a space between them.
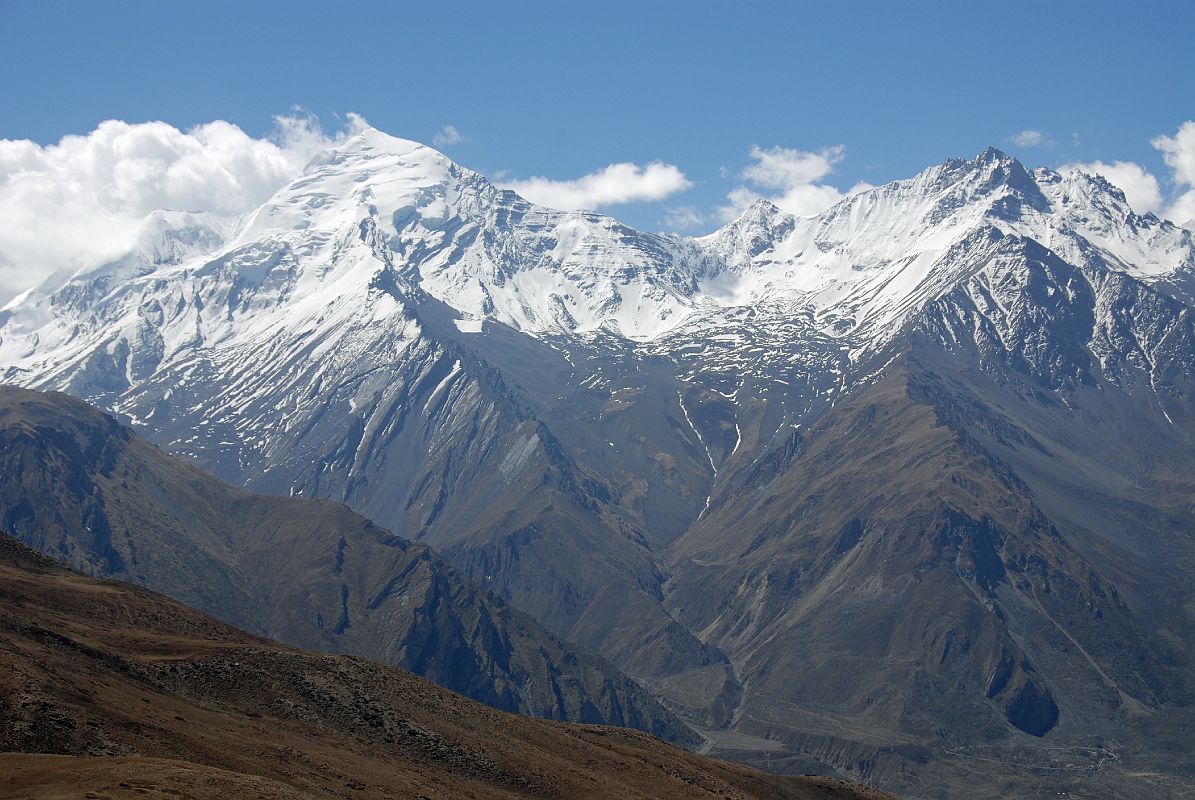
pixel 376 142
pixel 755 230
pixel 372 173
pixel 761 212
pixel 992 175
pixel 991 162
pixel 994 155
pixel 763 208
pixel 373 151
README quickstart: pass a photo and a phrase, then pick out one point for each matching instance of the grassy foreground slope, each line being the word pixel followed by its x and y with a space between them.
pixel 110 690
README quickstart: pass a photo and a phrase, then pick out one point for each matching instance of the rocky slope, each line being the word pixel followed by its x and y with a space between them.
pixel 110 690
pixel 985 542
pixel 76 484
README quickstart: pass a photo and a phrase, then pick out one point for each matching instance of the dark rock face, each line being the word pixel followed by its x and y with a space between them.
pixel 1032 710
pixel 77 485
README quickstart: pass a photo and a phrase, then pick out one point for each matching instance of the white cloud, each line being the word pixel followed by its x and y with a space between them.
pixel 1182 210
pixel 1029 139
pixel 683 218
pixel 617 183
pixel 446 136
pixel 1139 185
pixel 82 201
pixel 1179 152
pixel 781 167
pixel 796 175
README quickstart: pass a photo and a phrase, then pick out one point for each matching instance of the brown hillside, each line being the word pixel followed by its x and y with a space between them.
pixel 108 690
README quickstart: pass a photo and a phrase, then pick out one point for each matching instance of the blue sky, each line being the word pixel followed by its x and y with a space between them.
pixel 561 90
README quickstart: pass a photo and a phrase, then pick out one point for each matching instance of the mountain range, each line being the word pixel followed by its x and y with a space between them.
pixel 902 491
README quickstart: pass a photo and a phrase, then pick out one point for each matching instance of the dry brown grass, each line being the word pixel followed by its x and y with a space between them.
pixel 112 691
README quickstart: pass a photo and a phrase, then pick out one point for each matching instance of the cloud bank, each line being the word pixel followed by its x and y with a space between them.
pixel 1179 152
pixel 447 136
pixel 81 202
pixel 613 185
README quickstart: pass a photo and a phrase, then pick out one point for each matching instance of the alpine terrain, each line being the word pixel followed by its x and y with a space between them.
pixel 903 492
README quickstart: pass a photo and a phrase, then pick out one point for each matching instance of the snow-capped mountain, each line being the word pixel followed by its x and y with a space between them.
pixel 960 388
pixel 384 206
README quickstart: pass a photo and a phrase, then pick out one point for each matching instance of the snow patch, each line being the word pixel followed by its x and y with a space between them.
pixel 468 325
